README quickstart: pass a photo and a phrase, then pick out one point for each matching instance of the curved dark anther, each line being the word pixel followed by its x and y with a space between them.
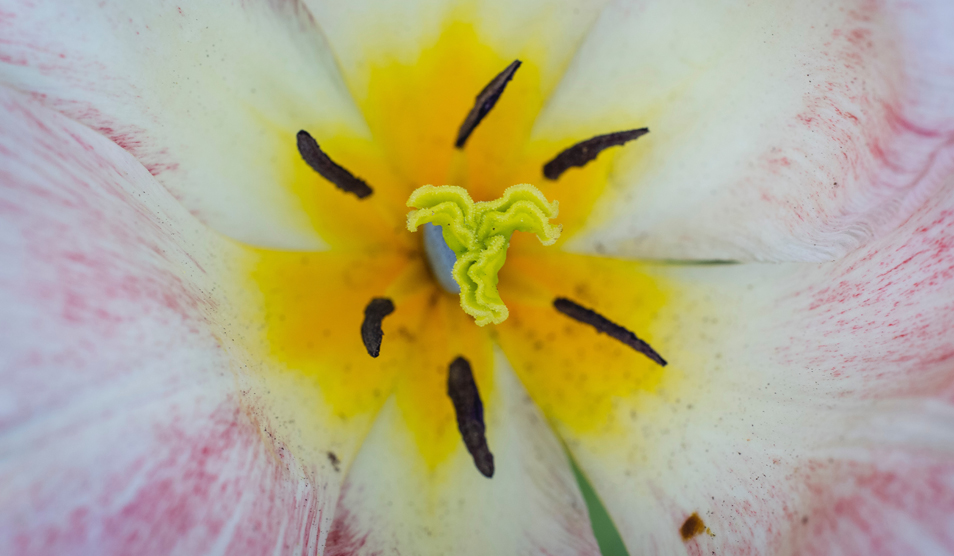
pixel 371 333
pixel 606 326
pixel 485 101
pixel 319 162
pixel 470 414
pixel 585 151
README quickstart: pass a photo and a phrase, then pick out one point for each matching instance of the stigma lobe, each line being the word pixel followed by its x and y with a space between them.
pixel 371 333
pixel 605 326
pixel 470 414
pixel 328 169
pixel 585 151
pixel 485 100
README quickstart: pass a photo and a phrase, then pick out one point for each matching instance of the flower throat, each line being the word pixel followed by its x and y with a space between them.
pixel 466 245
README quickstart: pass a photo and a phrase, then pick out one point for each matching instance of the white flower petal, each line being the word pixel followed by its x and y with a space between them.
pixel 202 93
pixel 807 408
pixel 122 430
pixel 392 504
pixel 778 131
pixel 363 32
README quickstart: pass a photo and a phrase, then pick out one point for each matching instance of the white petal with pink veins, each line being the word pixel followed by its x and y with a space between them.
pixel 207 95
pixel 124 350
pixel 392 504
pixel 778 131
pixel 807 408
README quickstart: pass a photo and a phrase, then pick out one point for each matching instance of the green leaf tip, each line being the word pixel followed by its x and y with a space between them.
pixel 479 234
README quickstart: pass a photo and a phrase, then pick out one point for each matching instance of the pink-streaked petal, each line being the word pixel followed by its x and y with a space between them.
pixel 778 131
pixel 807 408
pixel 893 504
pixel 207 95
pixel 122 430
pixel 393 504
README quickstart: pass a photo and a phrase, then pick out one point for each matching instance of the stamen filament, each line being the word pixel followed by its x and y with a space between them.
pixel 606 326
pixel 585 151
pixel 470 414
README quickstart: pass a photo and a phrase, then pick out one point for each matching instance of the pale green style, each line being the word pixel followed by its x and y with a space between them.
pixel 479 234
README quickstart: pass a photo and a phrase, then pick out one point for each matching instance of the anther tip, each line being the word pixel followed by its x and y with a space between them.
pixel 485 464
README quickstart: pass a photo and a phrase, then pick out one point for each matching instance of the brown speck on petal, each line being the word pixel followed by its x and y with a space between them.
pixel 692 527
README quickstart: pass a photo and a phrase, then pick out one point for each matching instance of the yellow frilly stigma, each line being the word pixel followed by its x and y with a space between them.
pixel 479 234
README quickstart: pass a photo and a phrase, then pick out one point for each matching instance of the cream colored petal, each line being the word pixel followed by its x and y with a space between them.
pixel 363 33
pixel 207 95
pixel 807 408
pixel 778 131
pixel 131 421
pixel 393 504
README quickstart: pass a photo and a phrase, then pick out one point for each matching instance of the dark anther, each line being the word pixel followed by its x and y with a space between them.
pixel 470 414
pixel 606 326
pixel 485 101
pixel 585 151
pixel 371 333
pixel 319 162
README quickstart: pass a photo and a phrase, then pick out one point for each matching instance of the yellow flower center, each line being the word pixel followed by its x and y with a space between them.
pixel 313 302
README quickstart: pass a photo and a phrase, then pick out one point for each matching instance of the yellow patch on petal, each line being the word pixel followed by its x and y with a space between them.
pixel 314 302
pixel 414 112
pixel 570 370
pixel 314 305
pixel 341 219
pixel 444 332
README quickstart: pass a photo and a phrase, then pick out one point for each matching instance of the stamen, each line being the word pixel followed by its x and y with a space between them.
pixel 585 151
pixel 606 326
pixel 484 102
pixel 470 414
pixel 371 333
pixel 321 163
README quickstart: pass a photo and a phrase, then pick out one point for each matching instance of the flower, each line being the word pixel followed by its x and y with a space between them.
pixel 169 388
